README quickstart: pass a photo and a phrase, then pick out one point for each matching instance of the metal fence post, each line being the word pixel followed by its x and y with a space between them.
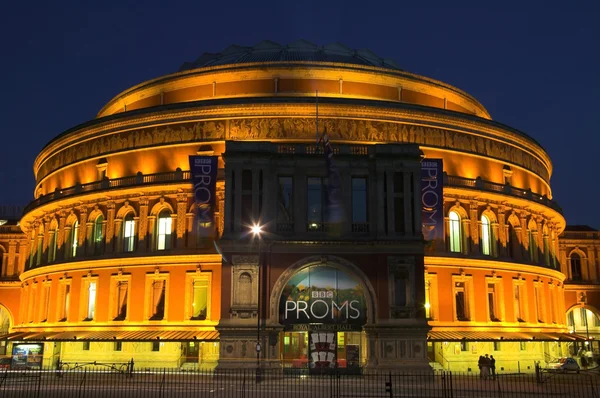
pixel 388 386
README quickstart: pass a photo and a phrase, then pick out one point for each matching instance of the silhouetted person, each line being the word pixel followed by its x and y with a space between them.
pixel 493 366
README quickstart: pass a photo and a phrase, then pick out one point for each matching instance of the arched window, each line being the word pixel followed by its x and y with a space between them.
pixel 245 286
pixel 71 249
pixel 163 233
pixel 98 236
pixel 486 236
pixel 128 233
pixel 455 232
pixel 575 262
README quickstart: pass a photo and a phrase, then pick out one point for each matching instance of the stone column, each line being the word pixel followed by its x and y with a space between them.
pixel 89 238
pixel 82 233
pixel 502 233
pixel 151 236
pixel 591 257
pixel 46 239
pixel 12 253
pixel 180 226
pixel 110 226
pixel 524 236
pixel 142 225
pixel 60 237
pixel 474 216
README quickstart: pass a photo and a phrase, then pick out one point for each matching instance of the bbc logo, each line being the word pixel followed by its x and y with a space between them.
pixel 322 294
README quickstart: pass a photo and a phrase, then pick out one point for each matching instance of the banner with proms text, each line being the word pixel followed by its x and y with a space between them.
pixel 432 203
pixel 203 171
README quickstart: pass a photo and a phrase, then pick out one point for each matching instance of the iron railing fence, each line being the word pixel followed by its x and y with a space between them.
pixel 244 383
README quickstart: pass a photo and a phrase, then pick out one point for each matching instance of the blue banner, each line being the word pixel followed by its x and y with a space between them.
pixel 432 203
pixel 203 170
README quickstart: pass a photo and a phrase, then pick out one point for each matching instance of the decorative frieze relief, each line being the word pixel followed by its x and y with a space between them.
pixel 288 128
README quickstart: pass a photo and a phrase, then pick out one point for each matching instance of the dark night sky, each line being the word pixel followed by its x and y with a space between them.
pixel 533 64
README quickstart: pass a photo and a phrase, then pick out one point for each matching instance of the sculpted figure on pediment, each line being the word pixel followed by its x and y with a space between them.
pixel 213 130
pixel 263 128
pixel 392 132
pixel 254 128
pixel 275 128
pixel 352 130
pixel 234 129
pixel 288 127
pixel 299 128
pixel 404 133
pixel 188 133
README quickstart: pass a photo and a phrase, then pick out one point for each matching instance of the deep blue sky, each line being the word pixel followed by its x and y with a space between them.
pixel 535 65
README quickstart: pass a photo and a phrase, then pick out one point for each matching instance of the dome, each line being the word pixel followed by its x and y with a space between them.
pixel 298 51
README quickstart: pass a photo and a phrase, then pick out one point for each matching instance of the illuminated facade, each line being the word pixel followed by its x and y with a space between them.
pixel 111 266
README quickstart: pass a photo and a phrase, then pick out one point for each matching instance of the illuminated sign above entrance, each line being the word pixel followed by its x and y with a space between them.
pixel 320 295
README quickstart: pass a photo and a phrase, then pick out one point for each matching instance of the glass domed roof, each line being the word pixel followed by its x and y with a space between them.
pixel 301 50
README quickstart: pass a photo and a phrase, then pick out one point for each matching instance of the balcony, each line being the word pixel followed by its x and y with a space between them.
pixel 177 176
pixel 505 189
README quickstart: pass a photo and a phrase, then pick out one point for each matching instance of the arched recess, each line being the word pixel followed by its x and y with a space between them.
pixel 513 237
pixel 6 320
pixel 160 206
pixel 330 261
pixel 95 214
pixel 492 232
pixel 583 319
pixel 464 223
pixel 577 269
pixel 124 210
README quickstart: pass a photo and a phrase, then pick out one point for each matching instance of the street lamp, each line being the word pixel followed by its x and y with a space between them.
pixel 256 230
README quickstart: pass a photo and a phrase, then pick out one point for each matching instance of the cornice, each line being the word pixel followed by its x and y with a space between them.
pixel 114 263
pixel 492 265
pixel 287 69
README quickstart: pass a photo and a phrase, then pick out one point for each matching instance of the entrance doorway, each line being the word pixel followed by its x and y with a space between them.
pixel 322 351
pixel 191 350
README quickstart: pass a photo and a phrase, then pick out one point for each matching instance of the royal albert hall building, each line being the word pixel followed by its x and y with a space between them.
pixel 108 264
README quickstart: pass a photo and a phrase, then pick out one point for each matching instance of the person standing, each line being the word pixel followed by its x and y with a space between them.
pixel 480 364
pixel 493 366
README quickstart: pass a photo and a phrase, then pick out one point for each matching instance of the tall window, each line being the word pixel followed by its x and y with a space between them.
pixel 199 299
pixel 399 212
pixel 285 209
pixel 129 233
pixel 538 303
pixel 97 235
pixel 518 302
pixel 45 302
pixel 52 246
pixel 315 206
pixel 359 200
pixel 91 302
pixel 158 300
pixel 164 230
pixel 455 232
pixel 486 236
pixel 122 291
pixel 492 302
pixel 400 285
pixel 63 309
pixel 575 263
pixel 247 215
pixel 460 298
